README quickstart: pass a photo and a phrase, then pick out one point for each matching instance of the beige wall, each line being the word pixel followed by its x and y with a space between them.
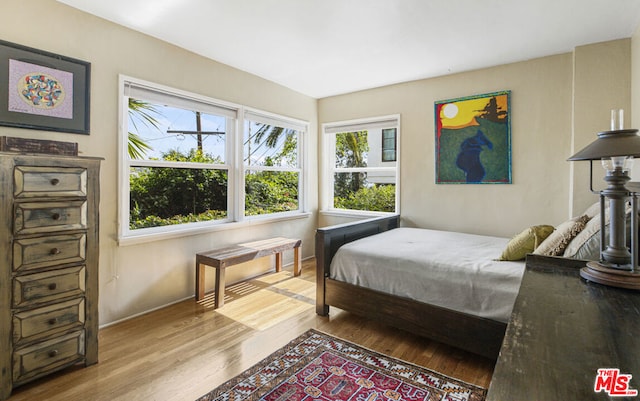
pixel 602 82
pixel 137 278
pixel 635 82
pixel 542 135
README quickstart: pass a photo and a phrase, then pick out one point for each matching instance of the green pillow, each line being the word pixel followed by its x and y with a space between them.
pixel 525 242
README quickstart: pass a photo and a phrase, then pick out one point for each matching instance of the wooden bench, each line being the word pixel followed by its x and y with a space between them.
pixel 222 258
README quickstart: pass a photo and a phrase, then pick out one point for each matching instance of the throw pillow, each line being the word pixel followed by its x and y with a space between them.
pixel 525 242
pixel 586 245
pixel 590 233
pixel 556 243
pixel 590 250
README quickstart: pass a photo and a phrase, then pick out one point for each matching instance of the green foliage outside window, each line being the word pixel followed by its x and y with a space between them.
pixel 271 192
pixel 162 196
pixel 379 198
pixel 167 196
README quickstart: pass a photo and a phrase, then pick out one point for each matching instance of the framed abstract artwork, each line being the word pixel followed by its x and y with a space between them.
pixel 473 139
pixel 42 90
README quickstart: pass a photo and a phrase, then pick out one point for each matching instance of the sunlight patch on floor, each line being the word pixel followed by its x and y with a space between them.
pixel 261 308
pixel 274 277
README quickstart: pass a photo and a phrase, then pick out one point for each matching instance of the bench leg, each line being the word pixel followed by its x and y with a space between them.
pixel 199 281
pixel 278 262
pixel 297 261
pixel 219 295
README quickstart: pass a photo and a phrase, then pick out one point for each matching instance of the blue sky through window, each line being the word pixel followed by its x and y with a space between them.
pixel 176 119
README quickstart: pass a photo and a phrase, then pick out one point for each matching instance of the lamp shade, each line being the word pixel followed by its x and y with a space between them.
pixel 624 142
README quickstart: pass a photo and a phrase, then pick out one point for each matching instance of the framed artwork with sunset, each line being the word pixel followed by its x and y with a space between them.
pixel 473 139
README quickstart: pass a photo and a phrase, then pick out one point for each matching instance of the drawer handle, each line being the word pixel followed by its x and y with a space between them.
pixel 52 321
pixel 53 286
pixel 55 181
pixel 53 353
pixel 55 216
pixel 54 251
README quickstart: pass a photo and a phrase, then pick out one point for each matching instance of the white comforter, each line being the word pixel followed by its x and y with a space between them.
pixel 448 269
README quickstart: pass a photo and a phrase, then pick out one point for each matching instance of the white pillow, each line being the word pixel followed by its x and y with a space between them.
pixel 591 228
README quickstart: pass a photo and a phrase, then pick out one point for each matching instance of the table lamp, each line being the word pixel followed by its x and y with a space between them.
pixel 618 264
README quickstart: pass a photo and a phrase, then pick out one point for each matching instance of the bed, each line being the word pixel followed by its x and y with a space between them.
pixel 471 313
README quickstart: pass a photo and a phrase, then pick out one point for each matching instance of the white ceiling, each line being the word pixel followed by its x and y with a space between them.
pixel 328 47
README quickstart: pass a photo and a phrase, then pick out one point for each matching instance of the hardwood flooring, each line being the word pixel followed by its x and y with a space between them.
pixel 186 350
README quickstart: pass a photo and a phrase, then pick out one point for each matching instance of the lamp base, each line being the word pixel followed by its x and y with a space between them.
pixel 601 274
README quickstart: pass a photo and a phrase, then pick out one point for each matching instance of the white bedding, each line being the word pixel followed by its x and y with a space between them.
pixel 453 270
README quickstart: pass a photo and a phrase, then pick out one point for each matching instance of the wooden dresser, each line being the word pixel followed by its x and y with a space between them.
pixel 48 265
pixel 562 330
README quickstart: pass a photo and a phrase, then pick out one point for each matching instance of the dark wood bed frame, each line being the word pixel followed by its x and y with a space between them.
pixel 471 333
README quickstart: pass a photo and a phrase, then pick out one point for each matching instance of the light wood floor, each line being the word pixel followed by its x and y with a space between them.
pixel 186 350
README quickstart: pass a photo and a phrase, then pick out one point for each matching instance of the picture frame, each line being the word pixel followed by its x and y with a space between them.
pixel 43 91
pixel 473 139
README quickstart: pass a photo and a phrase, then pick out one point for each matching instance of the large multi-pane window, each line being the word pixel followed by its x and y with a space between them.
pixel 362 166
pixel 189 162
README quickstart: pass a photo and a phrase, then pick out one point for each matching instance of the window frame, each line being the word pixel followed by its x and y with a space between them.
pixel 328 138
pixel 254 115
pixel 233 164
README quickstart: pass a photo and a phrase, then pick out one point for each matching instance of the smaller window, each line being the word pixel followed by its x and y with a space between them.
pixel 389 145
pixel 272 165
pixel 362 168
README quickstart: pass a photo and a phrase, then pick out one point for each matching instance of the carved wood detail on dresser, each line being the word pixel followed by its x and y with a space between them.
pixel 48 265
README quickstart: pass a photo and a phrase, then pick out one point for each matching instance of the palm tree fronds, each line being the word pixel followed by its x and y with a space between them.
pixel 137 147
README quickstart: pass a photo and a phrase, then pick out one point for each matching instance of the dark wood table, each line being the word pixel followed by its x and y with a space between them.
pixel 562 330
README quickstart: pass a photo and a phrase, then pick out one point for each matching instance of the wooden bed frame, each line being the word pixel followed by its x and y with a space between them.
pixel 471 333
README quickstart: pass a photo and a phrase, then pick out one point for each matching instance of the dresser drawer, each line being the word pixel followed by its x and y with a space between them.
pixel 43 217
pixel 36 253
pixel 42 322
pixel 31 289
pixel 32 181
pixel 48 356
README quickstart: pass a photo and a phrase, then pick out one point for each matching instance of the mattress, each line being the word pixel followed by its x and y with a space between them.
pixel 452 270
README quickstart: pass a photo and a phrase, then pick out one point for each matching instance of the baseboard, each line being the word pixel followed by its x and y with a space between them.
pixel 184 299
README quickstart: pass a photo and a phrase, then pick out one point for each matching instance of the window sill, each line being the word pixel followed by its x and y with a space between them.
pixel 354 213
pixel 135 239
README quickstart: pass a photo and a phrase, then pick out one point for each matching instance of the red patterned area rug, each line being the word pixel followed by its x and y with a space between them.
pixel 316 366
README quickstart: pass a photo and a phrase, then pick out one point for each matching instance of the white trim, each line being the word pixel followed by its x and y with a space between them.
pixel 361 124
pixel 329 169
pixel 362 169
pixel 272 168
pixel 239 173
pixel 265 117
pixel 181 231
pixel 178 98
pixel 192 165
pixel 123 210
pixel 301 127
pixel 398 164
pixel 235 118
pixel 303 193
pixel 354 213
